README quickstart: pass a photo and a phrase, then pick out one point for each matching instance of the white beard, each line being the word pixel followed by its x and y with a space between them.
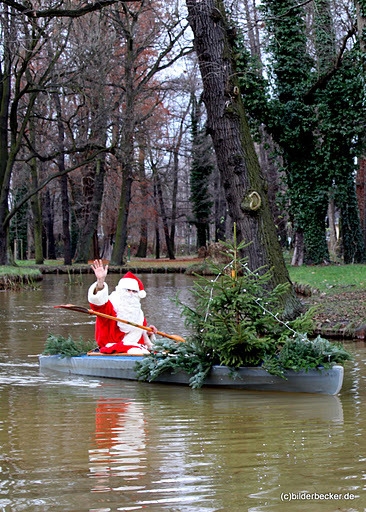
pixel 127 307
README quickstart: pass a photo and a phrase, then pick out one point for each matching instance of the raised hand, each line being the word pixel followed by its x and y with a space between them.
pixel 100 272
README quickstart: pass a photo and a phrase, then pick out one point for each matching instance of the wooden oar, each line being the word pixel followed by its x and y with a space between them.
pixel 81 309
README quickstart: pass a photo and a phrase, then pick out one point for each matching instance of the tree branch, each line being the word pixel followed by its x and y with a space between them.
pixel 31 193
pixel 324 79
pixel 27 9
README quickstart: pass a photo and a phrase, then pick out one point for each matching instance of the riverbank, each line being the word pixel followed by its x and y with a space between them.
pixel 12 278
pixel 340 315
pixel 136 265
pixel 341 310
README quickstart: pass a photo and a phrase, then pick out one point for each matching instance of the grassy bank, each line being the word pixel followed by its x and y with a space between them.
pixel 329 279
pixel 12 278
pixel 7 270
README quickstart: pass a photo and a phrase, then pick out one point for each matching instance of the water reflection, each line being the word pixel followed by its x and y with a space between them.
pixel 71 443
pixel 158 453
pixel 120 437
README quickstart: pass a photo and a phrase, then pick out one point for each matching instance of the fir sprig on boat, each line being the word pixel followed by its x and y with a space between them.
pixel 175 357
pixel 67 347
pixel 301 354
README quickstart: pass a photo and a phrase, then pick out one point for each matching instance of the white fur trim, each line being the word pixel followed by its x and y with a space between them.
pixel 129 284
pixel 138 351
pixel 100 298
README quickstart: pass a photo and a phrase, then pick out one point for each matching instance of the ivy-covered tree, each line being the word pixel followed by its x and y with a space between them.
pixel 201 170
pixel 312 104
pixel 361 28
pixel 341 120
pixel 342 114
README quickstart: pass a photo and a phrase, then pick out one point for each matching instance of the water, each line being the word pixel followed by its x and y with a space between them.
pixel 80 444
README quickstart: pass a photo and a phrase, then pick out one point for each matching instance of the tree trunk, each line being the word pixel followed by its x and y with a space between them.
pixel 169 245
pixel 157 232
pixel 220 208
pixel 120 241
pixel 237 161
pixel 266 150
pixel 298 255
pixel 176 151
pixel 157 241
pixel 201 169
pixel 48 219
pixel 291 69
pixel 351 233
pixel 175 192
pixel 326 51
pixel 142 248
pixel 66 237
pixel 5 169
pixel 86 246
pixel 127 150
pixel 37 217
pixel 4 158
pixel 35 202
pixel 332 230
pixel 65 214
pixel 266 146
pixel 159 192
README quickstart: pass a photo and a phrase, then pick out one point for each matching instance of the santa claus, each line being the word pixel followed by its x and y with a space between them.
pixel 124 303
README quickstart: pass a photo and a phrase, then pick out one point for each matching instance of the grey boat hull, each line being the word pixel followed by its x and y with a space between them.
pixel 324 381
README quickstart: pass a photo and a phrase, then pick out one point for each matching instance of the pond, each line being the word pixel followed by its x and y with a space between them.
pixel 82 444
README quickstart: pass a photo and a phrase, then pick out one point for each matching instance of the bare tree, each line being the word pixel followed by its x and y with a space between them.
pixel 26 71
pixel 144 28
pixel 22 79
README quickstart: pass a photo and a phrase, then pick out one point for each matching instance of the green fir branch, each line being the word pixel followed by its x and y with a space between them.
pixel 67 347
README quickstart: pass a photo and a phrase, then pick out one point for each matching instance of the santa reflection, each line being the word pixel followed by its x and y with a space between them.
pixel 118 460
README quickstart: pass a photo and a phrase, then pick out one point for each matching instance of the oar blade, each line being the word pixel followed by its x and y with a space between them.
pixel 81 309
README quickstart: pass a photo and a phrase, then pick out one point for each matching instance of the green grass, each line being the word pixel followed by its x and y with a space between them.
pixel 332 278
pixel 49 263
pixel 7 270
pixel 133 262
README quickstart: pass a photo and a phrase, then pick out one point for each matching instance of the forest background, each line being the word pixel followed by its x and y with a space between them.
pixel 105 149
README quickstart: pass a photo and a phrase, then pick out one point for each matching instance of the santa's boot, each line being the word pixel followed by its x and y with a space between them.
pixel 109 348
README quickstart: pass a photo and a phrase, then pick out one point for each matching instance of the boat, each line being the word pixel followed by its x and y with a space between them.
pixel 323 381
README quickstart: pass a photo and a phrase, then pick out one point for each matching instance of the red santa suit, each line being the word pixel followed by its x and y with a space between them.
pixel 123 303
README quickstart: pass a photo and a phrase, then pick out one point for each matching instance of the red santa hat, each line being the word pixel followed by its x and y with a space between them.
pixel 131 282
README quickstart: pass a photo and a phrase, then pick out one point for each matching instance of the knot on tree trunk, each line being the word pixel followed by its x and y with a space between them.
pixel 251 202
